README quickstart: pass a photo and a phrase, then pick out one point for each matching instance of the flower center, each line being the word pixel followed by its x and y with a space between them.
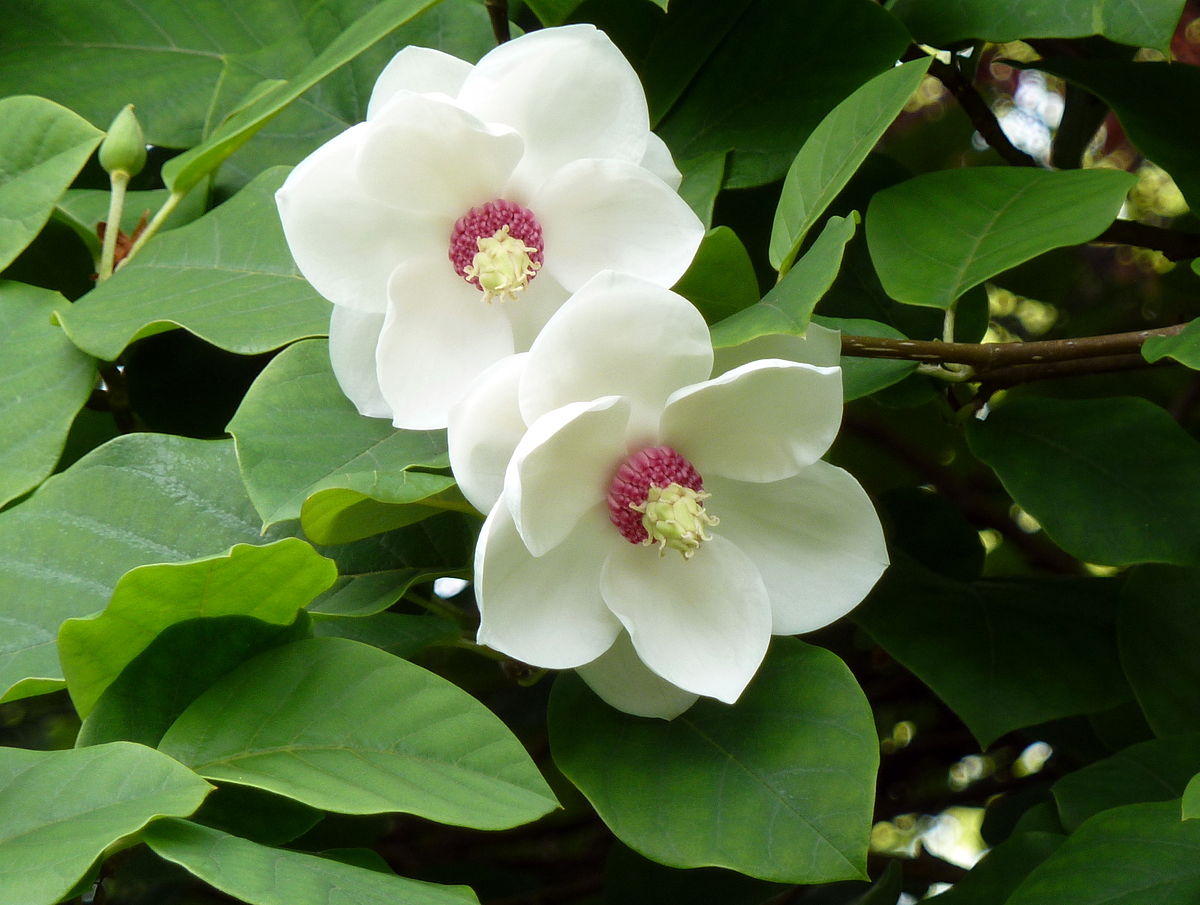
pixel 657 497
pixel 498 247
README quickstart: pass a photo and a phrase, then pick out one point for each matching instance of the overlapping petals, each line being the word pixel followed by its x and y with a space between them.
pixel 622 367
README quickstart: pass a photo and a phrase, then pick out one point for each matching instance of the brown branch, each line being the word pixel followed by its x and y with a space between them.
pixel 1173 244
pixel 998 378
pixel 498 13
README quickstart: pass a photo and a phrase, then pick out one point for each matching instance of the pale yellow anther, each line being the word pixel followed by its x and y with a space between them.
pixel 502 266
pixel 674 517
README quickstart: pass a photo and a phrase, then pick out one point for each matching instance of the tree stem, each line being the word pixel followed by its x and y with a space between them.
pixel 118 181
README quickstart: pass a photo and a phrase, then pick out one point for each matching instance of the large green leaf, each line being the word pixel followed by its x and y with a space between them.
pixel 262 875
pixel 1159 636
pixel 1131 855
pixel 1183 347
pixel 139 499
pixel 935 236
pixel 59 811
pixel 42 148
pixel 833 153
pixel 299 437
pixel 1140 23
pixel 721 280
pixel 271 583
pixel 864 376
pixel 345 727
pixel 779 786
pixel 1003 654
pixel 1091 472
pixel 992 880
pixel 46 381
pixel 1191 799
pixel 228 278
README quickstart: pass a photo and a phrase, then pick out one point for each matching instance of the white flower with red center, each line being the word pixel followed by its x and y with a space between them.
pixel 647 525
pixel 449 226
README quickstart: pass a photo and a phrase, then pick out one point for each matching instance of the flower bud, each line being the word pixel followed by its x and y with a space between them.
pixel 124 147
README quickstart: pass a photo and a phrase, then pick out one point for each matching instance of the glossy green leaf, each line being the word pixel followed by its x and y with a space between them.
pixel 630 879
pixel 992 880
pixel 552 12
pixel 1159 636
pixel 1191 799
pixel 271 583
pixel 1156 770
pixel 1091 472
pixel 1183 347
pixel 339 516
pixel 702 180
pixel 833 153
pixel 789 305
pixel 373 592
pixel 256 815
pixel 286 458
pixel 59 811
pixel 721 279
pixel 1131 855
pixel 1002 653
pixel 42 148
pixel 935 236
pixel 141 498
pixel 46 381
pixel 400 634
pixel 1140 23
pixel 864 376
pixel 261 875
pixel 345 727
pixel 779 786
pixel 227 278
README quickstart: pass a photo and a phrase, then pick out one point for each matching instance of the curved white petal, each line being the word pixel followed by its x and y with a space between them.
pixel 353 336
pixel 568 91
pixel 345 242
pixel 438 336
pixel 621 678
pixel 658 161
pixel 421 70
pixel 702 624
pixel 819 346
pixel 422 153
pixel 545 611
pixel 563 467
pixel 612 215
pixel 535 305
pixel 618 335
pixel 760 422
pixel 484 429
pixel 815 538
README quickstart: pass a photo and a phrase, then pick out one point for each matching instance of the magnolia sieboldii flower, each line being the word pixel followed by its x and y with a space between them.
pixel 647 525
pixel 451 224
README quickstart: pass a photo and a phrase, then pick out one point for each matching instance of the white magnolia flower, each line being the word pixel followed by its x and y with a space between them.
pixel 451 224
pixel 647 525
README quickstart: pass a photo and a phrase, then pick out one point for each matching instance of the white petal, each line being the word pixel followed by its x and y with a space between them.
pixel 702 624
pixel 612 215
pixel 568 91
pixel 421 70
pixel 815 538
pixel 535 305
pixel 484 429
pixel 353 336
pixel 563 467
pixel 617 335
pixel 761 422
pixel 658 161
pixel 438 336
pixel 425 154
pixel 545 611
pixel 345 242
pixel 621 678
pixel 819 346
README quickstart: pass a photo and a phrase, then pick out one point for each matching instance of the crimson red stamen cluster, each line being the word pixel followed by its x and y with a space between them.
pixel 657 466
pixel 487 220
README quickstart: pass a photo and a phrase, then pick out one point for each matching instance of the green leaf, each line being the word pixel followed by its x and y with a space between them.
pixel 789 305
pixel 271 583
pixel 864 376
pixel 1139 23
pixel 1125 856
pixel 262 875
pixel 778 787
pixel 833 153
pixel 721 279
pixel 1183 347
pixel 630 879
pixel 345 727
pixel 1159 636
pixel 702 179
pixel 42 148
pixel 1191 799
pixel 400 634
pixel 47 381
pixel 60 810
pixel 296 404
pixel 227 278
pixel 139 499
pixel 935 236
pixel 256 815
pixel 1091 471
pixel 993 879
pixel 972 643
pixel 552 12
pixel 1157 770
pixel 84 209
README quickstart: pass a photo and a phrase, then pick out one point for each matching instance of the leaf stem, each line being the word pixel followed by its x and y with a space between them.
pixel 498 13
pixel 437 608
pixel 118 181
pixel 164 212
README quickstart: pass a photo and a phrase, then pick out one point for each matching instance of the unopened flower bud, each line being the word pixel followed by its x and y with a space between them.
pixel 124 148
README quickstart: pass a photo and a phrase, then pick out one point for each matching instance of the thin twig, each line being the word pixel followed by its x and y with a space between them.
pixel 498 12
pixel 999 378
